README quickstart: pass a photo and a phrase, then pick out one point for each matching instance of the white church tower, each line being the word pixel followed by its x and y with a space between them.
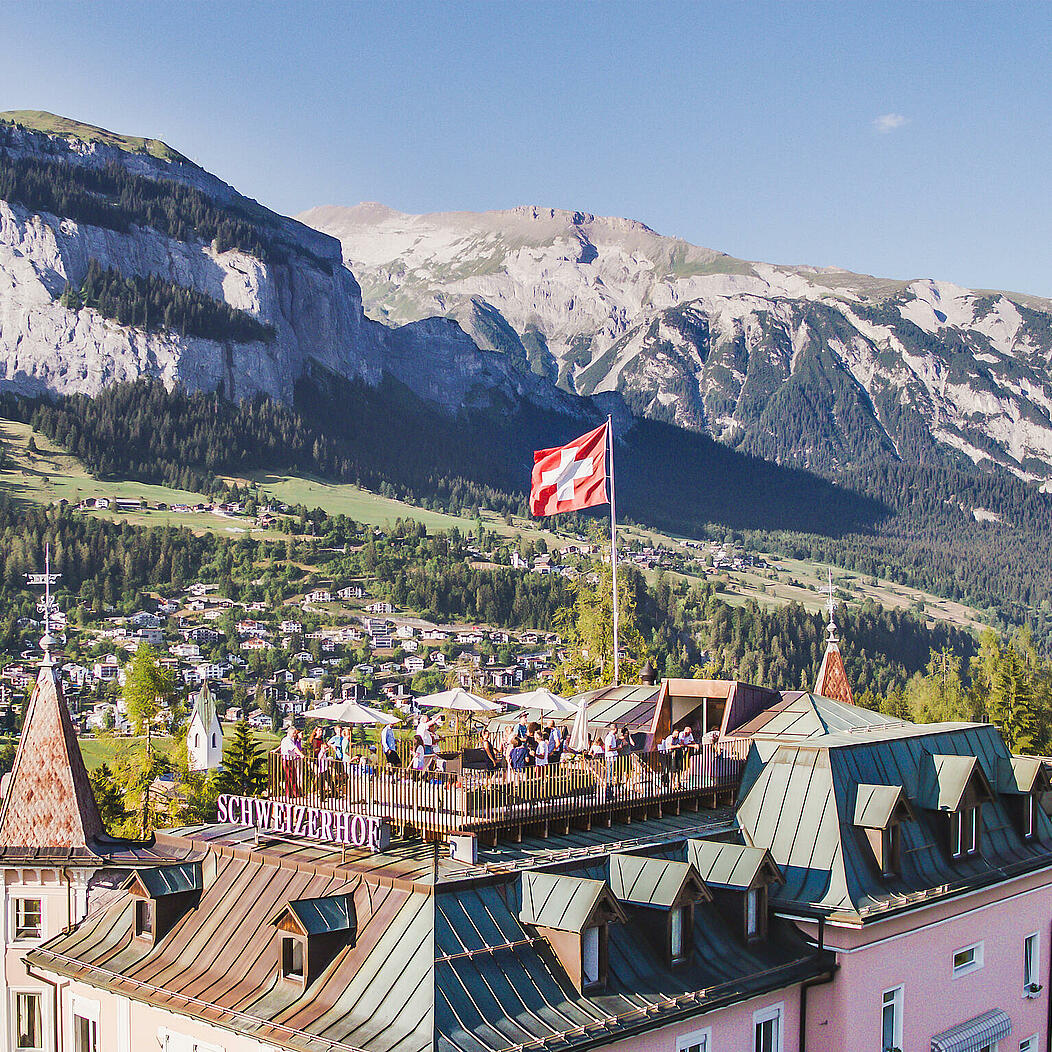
pixel 204 739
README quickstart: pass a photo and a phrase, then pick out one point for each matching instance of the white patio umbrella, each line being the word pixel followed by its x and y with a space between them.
pixel 544 701
pixel 579 732
pixel 459 700
pixel 350 712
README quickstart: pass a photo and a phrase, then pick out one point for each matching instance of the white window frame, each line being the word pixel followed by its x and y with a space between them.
pixel 1029 814
pixel 775 1013
pixel 1028 1044
pixel 898 997
pixel 701 1039
pixel 1031 960
pixel 973 965
pixel 17 898
pixel 46 1036
pixel 84 1008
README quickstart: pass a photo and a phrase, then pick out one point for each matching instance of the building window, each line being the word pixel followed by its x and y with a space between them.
pixel 144 916
pixel 1031 964
pixel 292 958
pixel 969 959
pixel 767 1030
pixel 85 1034
pixel 590 956
pixel 964 831
pixel 29 1022
pixel 28 919
pixel 891 1020
pixel 676 942
pixel 696 1041
pixel 1029 1045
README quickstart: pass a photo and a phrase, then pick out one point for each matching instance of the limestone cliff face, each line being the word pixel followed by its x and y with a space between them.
pixel 309 297
pixel 45 347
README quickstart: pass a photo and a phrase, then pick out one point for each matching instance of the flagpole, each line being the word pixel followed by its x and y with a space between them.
pixel 613 550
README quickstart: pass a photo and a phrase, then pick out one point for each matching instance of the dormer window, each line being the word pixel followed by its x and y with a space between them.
pixel 145 911
pixel 311 934
pixel 739 877
pixel 958 787
pixel 574 915
pixel 1020 781
pixel 162 896
pixel 880 811
pixel 292 958
pixel 660 895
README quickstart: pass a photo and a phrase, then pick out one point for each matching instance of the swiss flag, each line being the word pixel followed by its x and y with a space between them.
pixel 570 477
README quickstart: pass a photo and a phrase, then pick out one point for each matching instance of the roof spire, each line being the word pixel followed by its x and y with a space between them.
pixel 48 802
pixel 46 605
pixel 832 676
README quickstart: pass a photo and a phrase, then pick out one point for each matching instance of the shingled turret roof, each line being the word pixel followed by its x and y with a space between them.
pixel 49 804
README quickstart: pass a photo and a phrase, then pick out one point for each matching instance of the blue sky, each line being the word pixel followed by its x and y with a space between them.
pixel 904 140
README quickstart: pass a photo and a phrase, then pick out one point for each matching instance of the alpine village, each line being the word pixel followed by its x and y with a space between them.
pixel 395 660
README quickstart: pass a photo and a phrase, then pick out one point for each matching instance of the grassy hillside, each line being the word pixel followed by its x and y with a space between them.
pixel 52 124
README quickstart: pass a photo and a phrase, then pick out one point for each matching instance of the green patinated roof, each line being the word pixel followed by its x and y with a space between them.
pixel 169 880
pixel 735 867
pixel 802 804
pixel 330 913
pixel 552 900
pixel 875 805
pixel 801 715
pixel 659 882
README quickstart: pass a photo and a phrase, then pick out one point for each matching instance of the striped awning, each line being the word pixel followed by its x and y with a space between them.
pixel 971 1036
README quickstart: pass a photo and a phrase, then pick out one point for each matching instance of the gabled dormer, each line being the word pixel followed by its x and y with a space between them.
pixel 310 933
pixel 1021 780
pixel 161 897
pixel 662 894
pixel 574 915
pixel 880 811
pixel 739 877
pixel 955 788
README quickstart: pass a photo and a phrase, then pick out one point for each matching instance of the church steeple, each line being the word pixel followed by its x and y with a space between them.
pixel 832 676
pixel 48 802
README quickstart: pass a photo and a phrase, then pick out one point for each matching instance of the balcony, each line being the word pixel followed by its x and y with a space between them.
pixel 456 797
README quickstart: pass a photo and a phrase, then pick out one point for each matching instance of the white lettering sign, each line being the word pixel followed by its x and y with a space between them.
pixel 313 823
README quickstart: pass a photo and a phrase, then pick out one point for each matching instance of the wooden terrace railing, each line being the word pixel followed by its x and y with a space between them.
pixel 578 790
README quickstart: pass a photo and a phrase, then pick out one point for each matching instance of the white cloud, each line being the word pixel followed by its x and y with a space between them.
pixel 889 122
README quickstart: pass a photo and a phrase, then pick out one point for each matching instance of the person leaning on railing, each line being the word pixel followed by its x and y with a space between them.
pixel 389 745
pixel 291 758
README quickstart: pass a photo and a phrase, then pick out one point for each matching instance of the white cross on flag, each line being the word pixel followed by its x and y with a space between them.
pixel 570 477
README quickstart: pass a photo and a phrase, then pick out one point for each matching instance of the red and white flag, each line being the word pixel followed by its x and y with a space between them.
pixel 570 477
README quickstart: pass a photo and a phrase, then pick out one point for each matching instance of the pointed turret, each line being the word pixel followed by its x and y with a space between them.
pixel 832 676
pixel 49 802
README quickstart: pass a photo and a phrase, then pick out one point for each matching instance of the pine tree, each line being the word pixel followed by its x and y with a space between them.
pixel 109 797
pixel 244 770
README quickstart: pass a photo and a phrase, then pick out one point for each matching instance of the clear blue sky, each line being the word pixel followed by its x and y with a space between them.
pixel 905 140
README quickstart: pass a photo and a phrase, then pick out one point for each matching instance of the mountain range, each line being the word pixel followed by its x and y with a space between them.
pixel 819 367
pixel 894 427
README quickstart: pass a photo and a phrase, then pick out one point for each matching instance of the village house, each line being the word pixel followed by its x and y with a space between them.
pixel 351 591
pixel 382 607
pixel 319 595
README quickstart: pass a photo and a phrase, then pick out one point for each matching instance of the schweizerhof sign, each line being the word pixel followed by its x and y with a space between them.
pixel 315 823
